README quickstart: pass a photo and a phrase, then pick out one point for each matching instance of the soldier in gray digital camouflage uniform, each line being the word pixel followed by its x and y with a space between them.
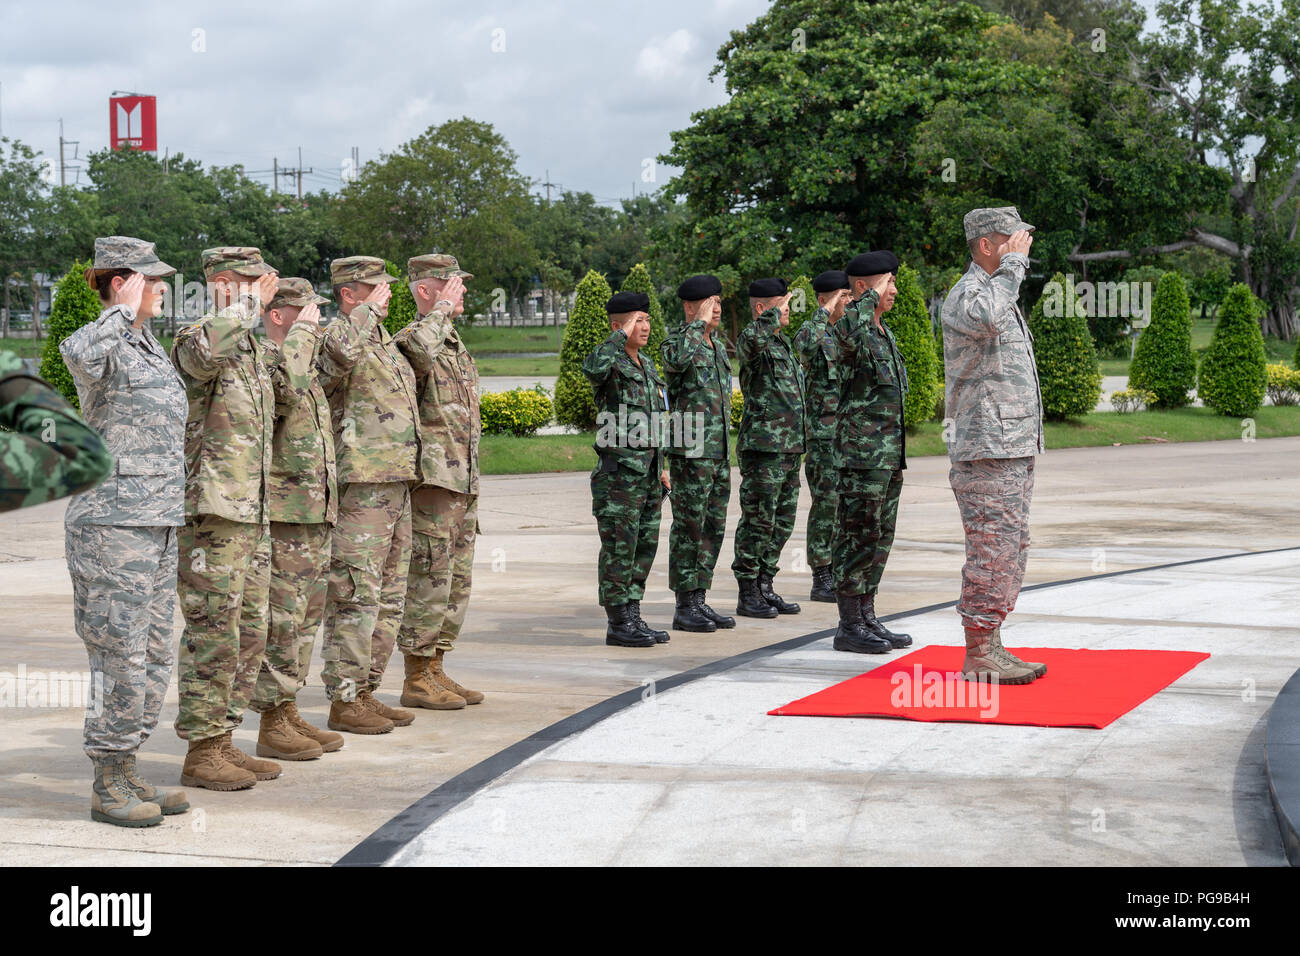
pixel 121 537
pixel 994 400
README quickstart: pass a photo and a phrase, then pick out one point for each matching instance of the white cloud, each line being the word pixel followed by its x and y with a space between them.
pixel 665 58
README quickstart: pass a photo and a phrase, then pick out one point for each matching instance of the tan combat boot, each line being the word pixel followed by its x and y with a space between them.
pixel 277 737
pixel 171 801
pixel 1038 669
pixel 206 766
pixel 419 689
pixel 328 740
pixel 985 660
pixel 400 718
pixel 261 769
pixel 113 801
pixel 442 680
pixel 355 718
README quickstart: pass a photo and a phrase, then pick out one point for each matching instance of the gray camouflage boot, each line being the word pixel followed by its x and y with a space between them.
pixel 113 801
pixel 986 660
pixel 171 801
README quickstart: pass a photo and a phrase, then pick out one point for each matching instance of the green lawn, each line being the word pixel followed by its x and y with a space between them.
pixel 1278 350
pixel 483 340
pixel 495 365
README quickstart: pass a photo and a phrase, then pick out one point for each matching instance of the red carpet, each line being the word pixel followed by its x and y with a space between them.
pixel 1082 688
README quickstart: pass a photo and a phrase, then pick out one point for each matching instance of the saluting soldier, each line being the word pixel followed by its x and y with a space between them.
pixel 871 453
pixel 698 371
pixel 815 345
pixel 303 504
pixel 629 482
pixel 768 448
pixel 444 508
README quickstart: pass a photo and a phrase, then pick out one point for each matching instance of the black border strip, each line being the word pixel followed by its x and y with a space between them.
pixel 384 843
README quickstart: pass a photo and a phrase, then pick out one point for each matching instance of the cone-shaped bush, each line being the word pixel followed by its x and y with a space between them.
pixel 1233 375
pixel 1163 362
pixel 1068 373
pixel 401 307
pixel 75 304
pixel 638 280
pixel 588 326
pixel 909 320
pixel 803 303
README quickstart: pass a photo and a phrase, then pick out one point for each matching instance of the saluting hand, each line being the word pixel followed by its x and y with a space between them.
pixel 265 287
pixel 131 292
pixel 667 481
pixel 310 314
pixel 379 295
pixel 1019 241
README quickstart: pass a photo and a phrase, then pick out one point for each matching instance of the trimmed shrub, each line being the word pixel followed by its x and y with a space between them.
pixel 1068 373
pixel 638 280
pixel 588 326
pixel 1283 384
pixel 401 307
pixel 75 304
pixel 520 411
pixel 1233 377
pixel 737 411
pixel 803 303
pixel 1163 362
pixel 909 320
pixel 1131 399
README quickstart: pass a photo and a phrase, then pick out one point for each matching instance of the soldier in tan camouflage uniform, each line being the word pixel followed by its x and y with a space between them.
pixel 121 537
pixel 996 406
pixel 303 503
pixel 444 508
pixel 371 390
pixel 225 547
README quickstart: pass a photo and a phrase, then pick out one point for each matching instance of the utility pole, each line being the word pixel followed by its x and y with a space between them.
pixel 65 166
pixel 276 169
pixel 548 184
pixel 293 172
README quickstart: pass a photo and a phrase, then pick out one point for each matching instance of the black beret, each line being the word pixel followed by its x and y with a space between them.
pixel 831 280
pixel 627 302
pixel 699 287
pixel 766 288
pixel 872 263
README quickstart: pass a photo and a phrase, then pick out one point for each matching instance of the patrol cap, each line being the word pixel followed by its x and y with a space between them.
pixel 1003 219
pixel 124 252
pixel 872 263
pixel 699 287
pixel 830 280
pixel 296 292
pixel 367 269
pixel 621 302
pixel 766 288
pixel 435 265
pixel 241 260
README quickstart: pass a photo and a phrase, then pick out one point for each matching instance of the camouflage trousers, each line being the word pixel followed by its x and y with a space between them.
pixel 300 564
pixel 371 552
pixel 627 508
pixel 823 485
pixel 993 497
pixel 225 575
pixel 769 498
pixel 443 526
pixel 701 492
pixel 864 527
pixel 123 606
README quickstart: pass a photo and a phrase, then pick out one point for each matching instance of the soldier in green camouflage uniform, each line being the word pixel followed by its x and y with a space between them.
pixel 768 447
pixel 372 395
pixel 629 482
pixel 871 453
pixel 33 469
pixel 302 499
pixel 699 459
pixel 444 508
pixel 225 546
pixel 995 402
pixel 815 346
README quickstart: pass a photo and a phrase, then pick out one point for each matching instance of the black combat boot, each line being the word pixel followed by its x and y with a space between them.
pixel 873 626
pixel 659 637
pixel 688 617
pixel 823 588
pixel 851 635
pixel 720 620
pixel 771 597
pixel 622 630
pixel 750 602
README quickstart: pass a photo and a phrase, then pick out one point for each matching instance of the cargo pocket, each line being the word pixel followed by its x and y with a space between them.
pixel 1018 423
pixel 348 576
pixel 205 599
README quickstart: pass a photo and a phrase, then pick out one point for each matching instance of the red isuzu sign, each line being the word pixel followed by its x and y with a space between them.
pixel 133 121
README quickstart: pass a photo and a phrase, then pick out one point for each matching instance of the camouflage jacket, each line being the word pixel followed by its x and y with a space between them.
pixel 46 450
pixel 303 488
pixel 630 406
pixel 371 390
pixel 231 419
pixel 446 379
pixel 699 384
pixel 770 381
pixel 130 394
pixel 815 345
pixel 991 389
pixel 873 380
